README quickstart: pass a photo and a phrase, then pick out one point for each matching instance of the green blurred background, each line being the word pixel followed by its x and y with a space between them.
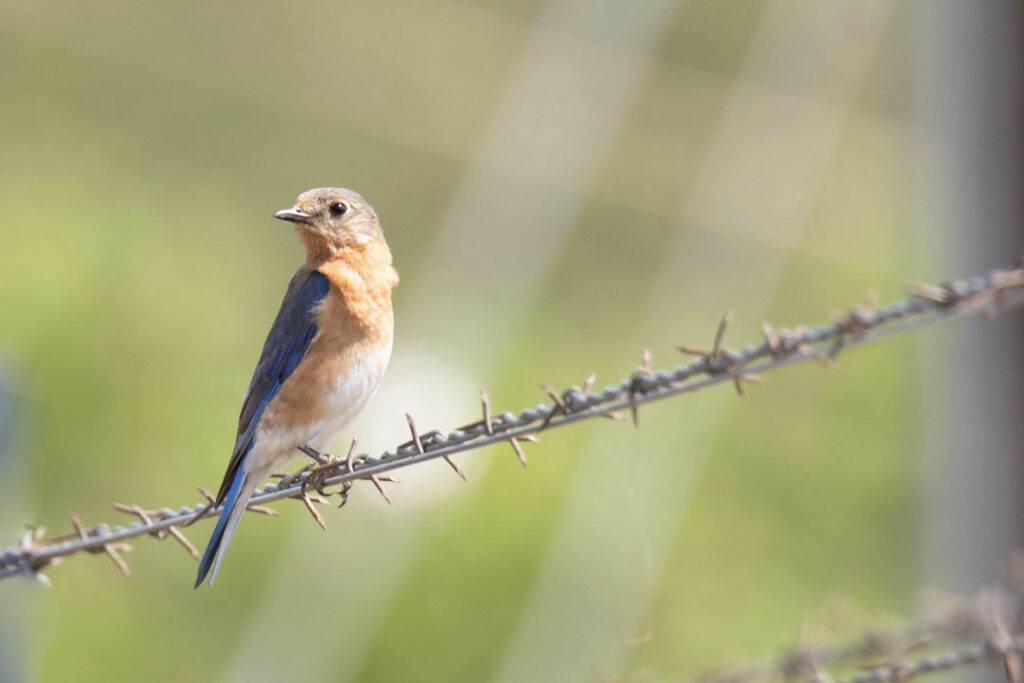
pixel 562 184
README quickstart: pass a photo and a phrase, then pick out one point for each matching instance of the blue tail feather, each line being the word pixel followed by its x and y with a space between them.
pixel 217 538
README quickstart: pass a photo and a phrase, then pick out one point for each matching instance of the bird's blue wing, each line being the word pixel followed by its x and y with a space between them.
pixel 288 341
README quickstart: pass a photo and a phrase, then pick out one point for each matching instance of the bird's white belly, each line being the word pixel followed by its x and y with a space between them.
pixel 347 395
pixel 275 446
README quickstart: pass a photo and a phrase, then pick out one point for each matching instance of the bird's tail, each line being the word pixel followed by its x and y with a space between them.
pixel 235 503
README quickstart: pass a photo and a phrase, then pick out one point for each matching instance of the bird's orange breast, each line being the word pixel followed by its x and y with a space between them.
pixel 350 351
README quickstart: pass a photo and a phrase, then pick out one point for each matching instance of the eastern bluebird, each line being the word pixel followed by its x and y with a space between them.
pixel 324 356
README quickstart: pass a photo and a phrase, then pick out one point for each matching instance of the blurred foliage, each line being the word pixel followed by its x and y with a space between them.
pixel 145 147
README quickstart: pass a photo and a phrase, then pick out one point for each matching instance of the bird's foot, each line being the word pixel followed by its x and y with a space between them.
pixel 321 461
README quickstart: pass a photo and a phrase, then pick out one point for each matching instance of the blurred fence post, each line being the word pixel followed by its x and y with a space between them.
pixel 969 75
pixel 12 664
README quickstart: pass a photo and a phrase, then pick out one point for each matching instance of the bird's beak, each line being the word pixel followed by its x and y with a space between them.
pixel 293 215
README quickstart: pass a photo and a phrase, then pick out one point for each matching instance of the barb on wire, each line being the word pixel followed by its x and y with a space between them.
pixel 985 295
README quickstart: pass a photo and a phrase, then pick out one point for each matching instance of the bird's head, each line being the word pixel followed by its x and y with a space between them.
pixel 332 219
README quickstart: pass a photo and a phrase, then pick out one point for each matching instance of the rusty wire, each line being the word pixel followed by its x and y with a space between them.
pixel 982 295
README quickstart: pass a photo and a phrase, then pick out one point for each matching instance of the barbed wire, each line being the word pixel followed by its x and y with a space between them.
pixel 982 295
pixel 985 629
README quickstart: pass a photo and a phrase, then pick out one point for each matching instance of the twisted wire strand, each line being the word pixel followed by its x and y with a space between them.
pixel 970 655
pixel 926 304
pixel 987 628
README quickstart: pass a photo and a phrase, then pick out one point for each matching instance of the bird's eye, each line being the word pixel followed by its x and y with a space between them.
pixel 338 208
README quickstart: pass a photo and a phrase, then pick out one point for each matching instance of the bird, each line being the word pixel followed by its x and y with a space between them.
pixel 325 354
